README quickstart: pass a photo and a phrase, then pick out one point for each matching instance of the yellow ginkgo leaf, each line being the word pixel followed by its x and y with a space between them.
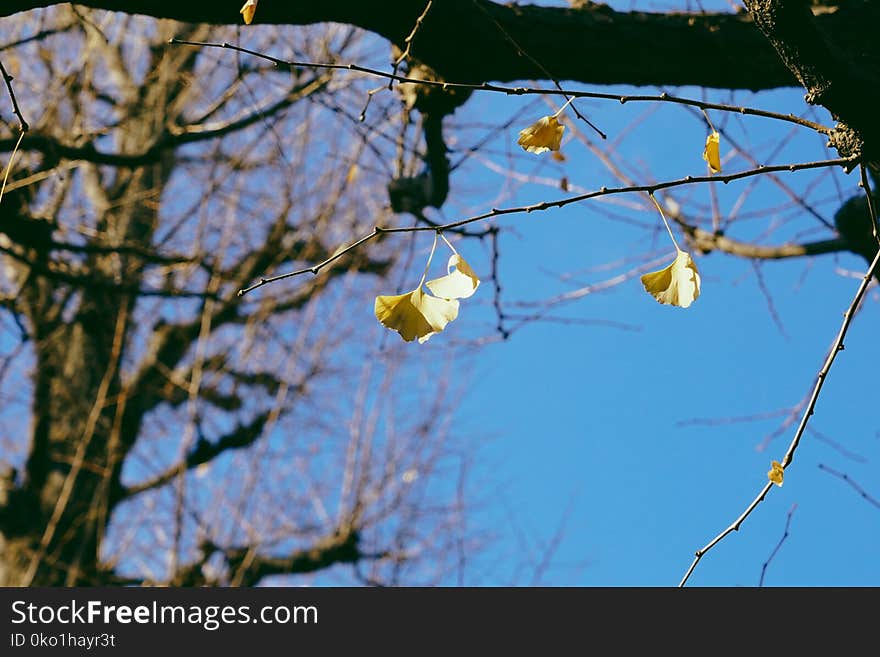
pixel 676 285
pixel 415 314
pixel 460 283
pixel 775 473
pixel 248 10
pixel 712 153
pixel 543 135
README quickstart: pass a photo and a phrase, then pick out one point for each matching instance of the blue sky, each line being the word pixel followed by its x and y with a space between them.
pixel 623 436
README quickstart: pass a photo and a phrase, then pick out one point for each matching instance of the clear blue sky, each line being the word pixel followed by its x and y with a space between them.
pixel 586 426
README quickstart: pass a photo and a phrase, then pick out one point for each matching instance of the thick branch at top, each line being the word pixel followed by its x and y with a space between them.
pixel 465 40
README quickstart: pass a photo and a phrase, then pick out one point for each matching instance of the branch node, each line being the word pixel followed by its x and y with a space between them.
pixel 847 141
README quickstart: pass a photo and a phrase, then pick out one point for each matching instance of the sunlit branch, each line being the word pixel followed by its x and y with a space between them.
pixel 706 241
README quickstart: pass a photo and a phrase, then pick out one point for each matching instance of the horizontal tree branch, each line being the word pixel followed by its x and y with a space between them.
pixel 846 163
pixel 342 547
pixel 590 43
pixel 47 144
pixel 81 278
pixel 706 242
pixel 513 91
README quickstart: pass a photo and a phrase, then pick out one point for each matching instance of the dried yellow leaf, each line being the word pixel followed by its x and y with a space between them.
pixel 712 153
pixel 415 314
pixel 676 285
pixel 543 135
pixel 460 283
pixel 775 473
pixel 248 10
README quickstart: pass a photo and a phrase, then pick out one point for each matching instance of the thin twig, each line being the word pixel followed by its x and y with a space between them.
pixel 836 446
pixel 870 197
pixel 520 91
pixel 315 268
pixel 771 307
pixel 546 205
pixel 778 545
pixel 522 53
pixel 836 348
pixel 785 188
pixel 408 41
pixel 845 477
pixel 605 191
pixel 22 124
pixel 496 298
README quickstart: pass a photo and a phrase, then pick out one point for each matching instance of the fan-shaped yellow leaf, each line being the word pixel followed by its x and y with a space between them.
pixel 248 10
pixel 415 314
pixel 543 135
pixel 775 473
pixel 676 285
pixel 712 153
pixel 460 283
